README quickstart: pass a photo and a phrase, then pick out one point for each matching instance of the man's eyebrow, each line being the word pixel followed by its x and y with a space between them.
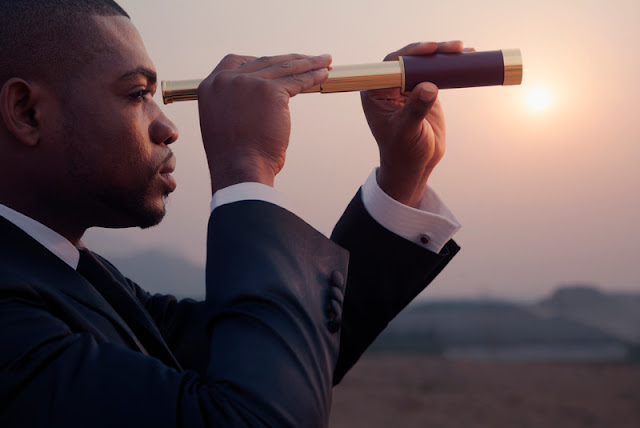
pixel 150 74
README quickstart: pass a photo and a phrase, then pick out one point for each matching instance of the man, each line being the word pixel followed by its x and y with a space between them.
pixel 83 144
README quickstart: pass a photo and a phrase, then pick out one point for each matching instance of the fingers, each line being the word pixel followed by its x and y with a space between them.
pixel 453 46
pixel 289 68
pixel 419 48
pixel 270 61
pixel 294 73
pixel 231 62
pixel 273 67
pixel 299 74
pixel 298 83
pixel 426 48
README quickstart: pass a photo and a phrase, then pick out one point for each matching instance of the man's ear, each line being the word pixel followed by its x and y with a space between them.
pixel 20 110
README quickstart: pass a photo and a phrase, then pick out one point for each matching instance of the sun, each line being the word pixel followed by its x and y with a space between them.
pixel 538 99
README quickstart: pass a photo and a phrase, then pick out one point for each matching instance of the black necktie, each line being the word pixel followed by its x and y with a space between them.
pixel 144 332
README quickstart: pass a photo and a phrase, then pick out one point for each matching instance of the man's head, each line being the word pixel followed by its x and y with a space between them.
pixel 80 137
pixel 46 33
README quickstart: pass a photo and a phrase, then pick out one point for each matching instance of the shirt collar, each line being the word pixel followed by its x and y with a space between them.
pixel 48 238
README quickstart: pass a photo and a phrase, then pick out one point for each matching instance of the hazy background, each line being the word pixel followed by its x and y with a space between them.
pixel 546 197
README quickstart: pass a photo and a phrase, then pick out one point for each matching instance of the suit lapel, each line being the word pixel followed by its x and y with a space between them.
pixel 125 302
pixel 21 253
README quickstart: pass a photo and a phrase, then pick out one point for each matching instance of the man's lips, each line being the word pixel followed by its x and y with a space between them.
pixel 165 172
pixel 169 181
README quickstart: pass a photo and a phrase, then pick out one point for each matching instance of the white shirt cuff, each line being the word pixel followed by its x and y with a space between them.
pixel 249 192
pixel 431 226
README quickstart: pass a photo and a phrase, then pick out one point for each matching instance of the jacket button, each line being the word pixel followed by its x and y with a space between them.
pixel 337 279
pixel 333 312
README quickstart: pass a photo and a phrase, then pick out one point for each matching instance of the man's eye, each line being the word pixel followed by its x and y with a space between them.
pixel 141 95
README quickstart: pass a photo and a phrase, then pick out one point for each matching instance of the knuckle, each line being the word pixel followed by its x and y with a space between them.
pixel 301 79
pixel 220 80
pixel 206 85
pixel 229 57
pixel 287 66
pixel 203 87
pixel 296 57
pixel 229 61
pixel 240 81
pixel 223 76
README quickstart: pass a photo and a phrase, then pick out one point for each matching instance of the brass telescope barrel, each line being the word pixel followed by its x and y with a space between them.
pixel 461 70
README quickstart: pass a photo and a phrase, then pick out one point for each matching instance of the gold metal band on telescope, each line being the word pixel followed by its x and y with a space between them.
pixel 512 59
pixel 179 90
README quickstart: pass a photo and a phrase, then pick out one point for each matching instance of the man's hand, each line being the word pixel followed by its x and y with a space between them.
pixel 244 114
pixel 409 129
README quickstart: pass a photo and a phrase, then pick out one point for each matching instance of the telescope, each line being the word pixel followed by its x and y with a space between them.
pixel 445 70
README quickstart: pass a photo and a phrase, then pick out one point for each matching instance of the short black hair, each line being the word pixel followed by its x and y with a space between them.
pixel 37 37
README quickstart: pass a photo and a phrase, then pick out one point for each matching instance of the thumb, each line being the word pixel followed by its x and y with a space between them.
pixel 420 102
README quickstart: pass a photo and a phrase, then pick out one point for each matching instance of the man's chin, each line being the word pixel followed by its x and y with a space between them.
pixel 142 220
pixel 140 216
pixel 150 222
pixel 152 217
pixel 143 212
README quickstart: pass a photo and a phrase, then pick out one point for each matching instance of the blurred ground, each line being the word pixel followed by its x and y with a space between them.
pixel 403 390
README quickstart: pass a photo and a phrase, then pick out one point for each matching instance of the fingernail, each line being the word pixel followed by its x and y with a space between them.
pixel 428 92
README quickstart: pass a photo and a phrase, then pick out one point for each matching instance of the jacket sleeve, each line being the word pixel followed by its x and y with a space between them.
pixel 272 348
pixel 386 272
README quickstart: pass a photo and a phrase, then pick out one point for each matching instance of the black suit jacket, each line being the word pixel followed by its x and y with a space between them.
pixel 260 351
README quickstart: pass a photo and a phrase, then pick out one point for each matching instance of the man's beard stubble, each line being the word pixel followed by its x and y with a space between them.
pixel 130 203
pixel 138 205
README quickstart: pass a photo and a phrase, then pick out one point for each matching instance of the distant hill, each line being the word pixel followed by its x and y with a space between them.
pixel 574 323
pixel 615 313
pixel 493 323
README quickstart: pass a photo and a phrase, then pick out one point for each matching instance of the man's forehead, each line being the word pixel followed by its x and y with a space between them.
pixel 116 29
pixel 120 50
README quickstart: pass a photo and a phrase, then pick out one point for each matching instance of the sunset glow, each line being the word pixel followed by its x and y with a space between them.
pixel 538 99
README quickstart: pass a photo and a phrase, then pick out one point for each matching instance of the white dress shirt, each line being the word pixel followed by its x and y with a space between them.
pixel 52 241
pixel 431 226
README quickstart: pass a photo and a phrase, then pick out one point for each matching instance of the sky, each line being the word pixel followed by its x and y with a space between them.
pixel 546 196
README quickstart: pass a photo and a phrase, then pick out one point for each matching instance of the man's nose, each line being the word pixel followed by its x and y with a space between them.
pixel 163 131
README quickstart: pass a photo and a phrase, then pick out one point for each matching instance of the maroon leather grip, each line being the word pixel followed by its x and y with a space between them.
pixel 459 70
